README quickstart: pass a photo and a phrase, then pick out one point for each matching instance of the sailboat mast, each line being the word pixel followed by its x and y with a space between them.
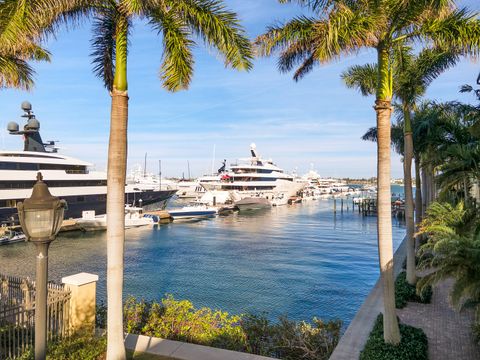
pixel 213 159
pixel 145 166
pixel 188 167
pixel 160 173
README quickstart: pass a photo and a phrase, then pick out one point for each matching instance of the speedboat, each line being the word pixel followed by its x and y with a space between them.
pixel 193 211
pixel 253 203
pixel 134 217
pixel 10 237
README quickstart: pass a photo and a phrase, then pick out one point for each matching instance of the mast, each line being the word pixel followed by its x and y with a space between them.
pixel 160 173
pixel 213 159
pixel 188 167
pixel 145 166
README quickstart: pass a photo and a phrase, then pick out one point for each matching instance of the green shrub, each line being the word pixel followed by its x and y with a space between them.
pixel 101 315
pixel 405 292
pixel 413 344
pixel 179 320
pixel 78 347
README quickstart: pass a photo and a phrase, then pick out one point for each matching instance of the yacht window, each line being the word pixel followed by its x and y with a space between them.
pixel 71 169
pixel 51 183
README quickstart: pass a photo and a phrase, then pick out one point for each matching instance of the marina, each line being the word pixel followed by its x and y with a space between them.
pixel 271 260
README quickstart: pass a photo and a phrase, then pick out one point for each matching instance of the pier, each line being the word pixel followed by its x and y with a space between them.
pixel 368 206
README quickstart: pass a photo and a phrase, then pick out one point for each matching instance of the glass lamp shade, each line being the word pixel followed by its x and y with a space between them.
pixel 41 215
pixel 43 224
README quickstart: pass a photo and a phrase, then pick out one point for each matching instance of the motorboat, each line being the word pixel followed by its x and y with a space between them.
pixel 68 178
pixel 193 211
pixel 11 236
pixel 253 203
pixel 134 217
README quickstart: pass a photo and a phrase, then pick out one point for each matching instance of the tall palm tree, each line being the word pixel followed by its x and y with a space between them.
pixel 343 27
pixel 178 22
pixel 411 76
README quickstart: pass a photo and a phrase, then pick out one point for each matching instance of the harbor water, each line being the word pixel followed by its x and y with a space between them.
pixel 300 260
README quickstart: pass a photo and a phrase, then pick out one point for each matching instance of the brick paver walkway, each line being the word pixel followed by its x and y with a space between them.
pixel 448 331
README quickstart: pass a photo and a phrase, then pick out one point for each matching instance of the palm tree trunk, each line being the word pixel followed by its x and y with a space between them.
pixel 432 191
pixel 117 167
pixel 407 173
pixel 383 108
pixel 424 191
pixel 418 197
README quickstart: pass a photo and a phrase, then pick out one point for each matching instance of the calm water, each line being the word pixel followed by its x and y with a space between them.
pixel 298 260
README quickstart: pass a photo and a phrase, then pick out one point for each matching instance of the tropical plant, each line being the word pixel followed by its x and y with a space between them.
pixel 411 76
pixel 23 24
pixel 414 345
pixel 256 334
pixel 454 245
pixel 447 142
pixel 342 27
pixel 178 22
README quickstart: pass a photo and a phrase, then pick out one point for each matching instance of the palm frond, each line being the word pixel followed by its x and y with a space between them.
pixel 371 134
pixel 297 33
pixel 459 29
pixel 177 66
pixel 305 68
pixel 466 88
pixel 103 44
pixel 15 73
pixel 431 63
pixel 361 77
pixel 218 27
pixel 314 5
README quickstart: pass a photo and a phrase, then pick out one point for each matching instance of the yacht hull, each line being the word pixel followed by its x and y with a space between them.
pixel 97 202
pixel 253 204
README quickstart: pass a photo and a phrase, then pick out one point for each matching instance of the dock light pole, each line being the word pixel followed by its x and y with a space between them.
pixel 41 217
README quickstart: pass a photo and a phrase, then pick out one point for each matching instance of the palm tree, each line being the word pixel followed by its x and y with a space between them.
pixel 454 245
pixel 178 22
pixel 411 74
pixel 343 27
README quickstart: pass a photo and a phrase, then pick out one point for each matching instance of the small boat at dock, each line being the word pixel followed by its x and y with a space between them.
pixel 193 211
pixel 134 217
pixel 11 236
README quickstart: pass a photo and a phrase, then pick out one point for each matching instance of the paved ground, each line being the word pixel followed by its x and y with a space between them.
pixel 448 331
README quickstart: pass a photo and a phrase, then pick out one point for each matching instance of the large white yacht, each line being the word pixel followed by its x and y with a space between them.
pixel 254 175
pixel 68 178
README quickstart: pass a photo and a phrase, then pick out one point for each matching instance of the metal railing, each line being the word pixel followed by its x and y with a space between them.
pixel 17 314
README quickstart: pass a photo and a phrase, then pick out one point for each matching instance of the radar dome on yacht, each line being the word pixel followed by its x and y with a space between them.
pixel 253 146
pixel 12 126
pixel 26 106
pixel 33 124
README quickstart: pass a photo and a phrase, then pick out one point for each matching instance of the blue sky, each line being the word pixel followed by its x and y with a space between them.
pixel 315 121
